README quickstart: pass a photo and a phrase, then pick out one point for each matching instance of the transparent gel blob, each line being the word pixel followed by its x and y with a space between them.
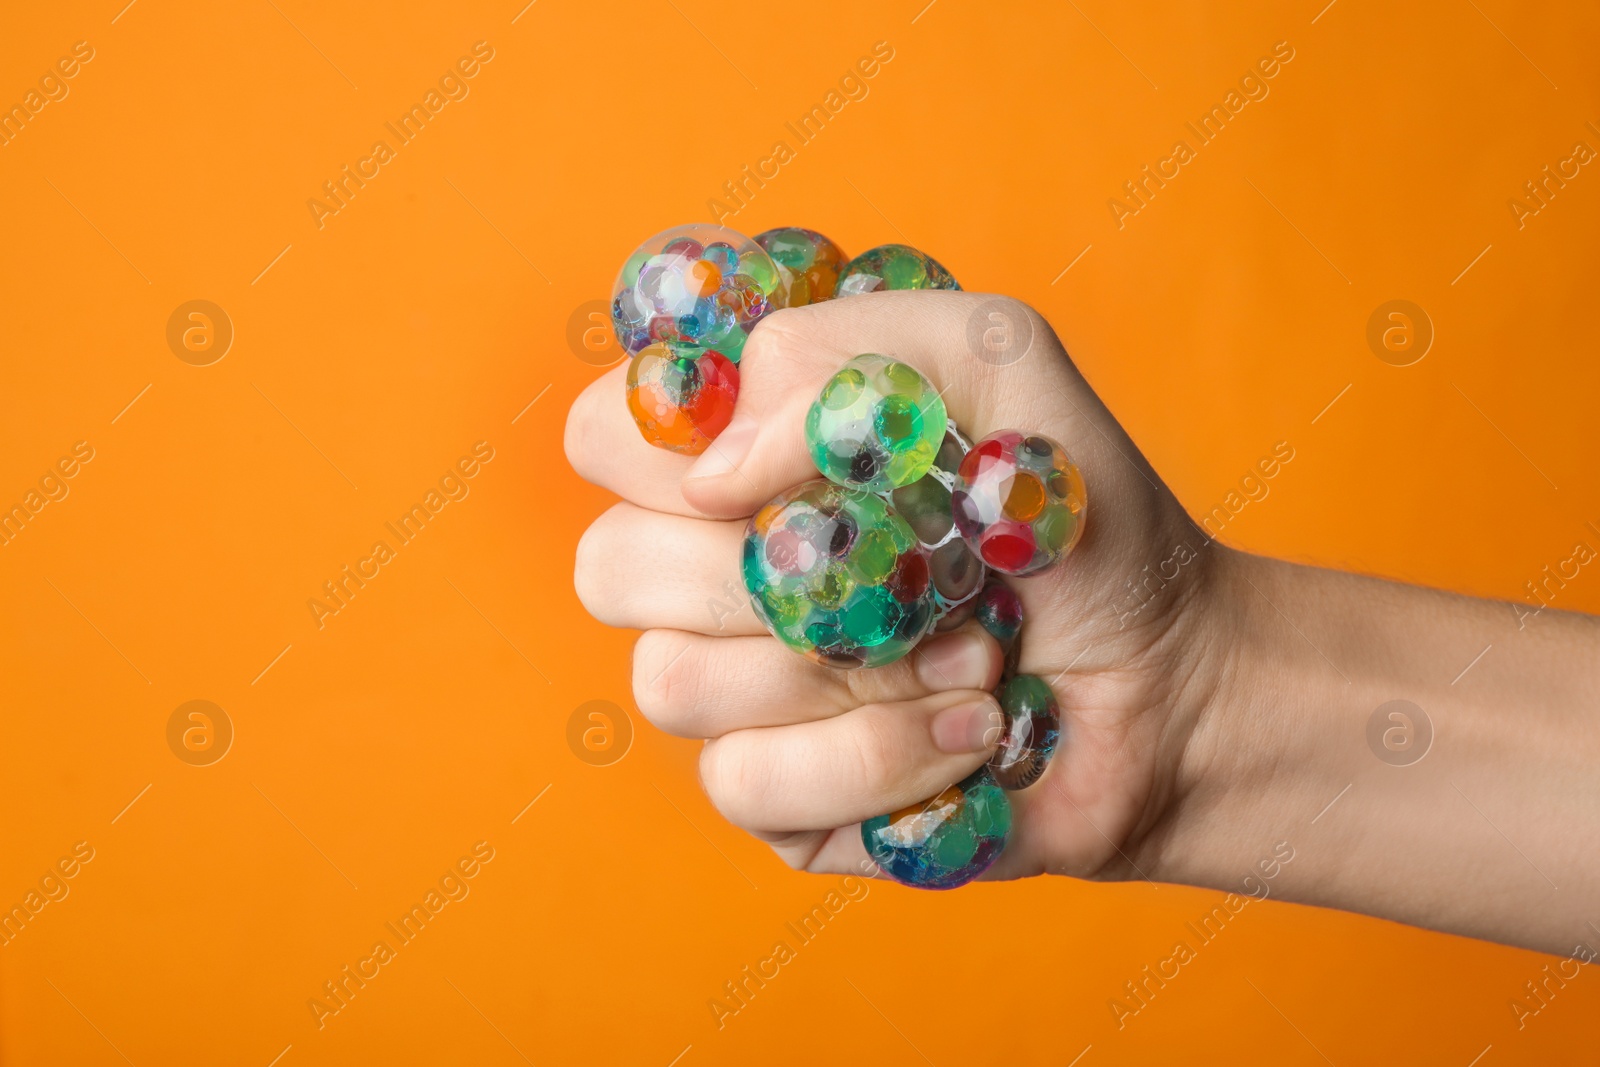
pixel 837 576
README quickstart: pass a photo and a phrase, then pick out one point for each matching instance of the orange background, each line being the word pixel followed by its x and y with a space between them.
pixel 429 312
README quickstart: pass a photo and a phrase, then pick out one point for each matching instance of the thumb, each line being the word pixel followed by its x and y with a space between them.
pixel 789 356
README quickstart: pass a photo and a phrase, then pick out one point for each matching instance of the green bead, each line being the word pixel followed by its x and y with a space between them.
pixel 732 346
pixel 765 272
pixel 750 565
pixel 898 422
pixel 955 845
pixel 991 811
pixel 1054 527
pixel 903 467
pixel 873 556
pixel 900 533
pixel 1026 695
pixel 791 248
pixel 786 610
pixel 870 616
pixel 835 586
pixel 904 272
pixel 842 389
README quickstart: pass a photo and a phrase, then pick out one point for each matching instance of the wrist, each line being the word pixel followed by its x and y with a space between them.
pixel 1440 817
pixel 1264 752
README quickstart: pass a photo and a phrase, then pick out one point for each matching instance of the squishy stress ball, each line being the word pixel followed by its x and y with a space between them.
pixel 1019 502
pixel 945 841
pixel 877 425
pixel 837 576
pixel 907 530
pixel 809 262
pixel 894 267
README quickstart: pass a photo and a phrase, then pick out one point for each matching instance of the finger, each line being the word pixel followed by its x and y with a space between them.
pixel 840 770
pixel 642 570
pixel 837 851
pixel 1056 827
pixel 793 352
pixel 696 686
pixel 606 449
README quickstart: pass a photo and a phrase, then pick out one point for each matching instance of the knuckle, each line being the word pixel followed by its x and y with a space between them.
pixel 593 563
pixel 1014 306
pixel 661 688
pixel 876 685
pixel 579 429
pixel 771 334
pixel 991 309
pixel 731 776
pixel 784 343
pixel 877 750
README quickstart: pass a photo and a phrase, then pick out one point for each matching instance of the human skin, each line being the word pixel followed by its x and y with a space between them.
pixel 1228 714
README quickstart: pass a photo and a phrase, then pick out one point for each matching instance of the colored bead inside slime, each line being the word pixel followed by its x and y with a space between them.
pixel 681 402
pixel 808 261
pixel 876 425
pixel 1032 731
pixel 893 267
pixel 1000 612
pixel 1019 502
pixel 837 576
pixel 945 841
pixel 695 289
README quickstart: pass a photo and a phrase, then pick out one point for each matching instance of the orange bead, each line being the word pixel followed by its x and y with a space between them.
pixel 1023 497
pixel 952 799
pixel 800 292
pixel 702 278
pixel 764 517
pixel 663 423
pixel 824 280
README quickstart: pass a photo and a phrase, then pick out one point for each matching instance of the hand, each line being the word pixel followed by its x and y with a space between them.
pixel 1215 705
pixel 798 753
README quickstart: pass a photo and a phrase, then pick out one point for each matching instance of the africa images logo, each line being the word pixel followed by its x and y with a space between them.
pixel 452 87
pixel 1252 87
pixel 454 485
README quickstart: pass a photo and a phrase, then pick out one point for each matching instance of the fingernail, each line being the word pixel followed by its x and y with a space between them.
pixel 958 661
pixel 971 727
pixel 728 450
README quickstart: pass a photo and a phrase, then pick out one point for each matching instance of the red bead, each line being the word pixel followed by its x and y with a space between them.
pixel 1008 552
pixel 981 458
pixel 712 406
pixel 910 578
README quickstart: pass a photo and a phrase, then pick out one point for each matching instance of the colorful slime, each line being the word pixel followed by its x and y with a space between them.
pixel 894 267
pixel 945 841
pixel 837 576
pixel 808 261
pixel 1019 501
